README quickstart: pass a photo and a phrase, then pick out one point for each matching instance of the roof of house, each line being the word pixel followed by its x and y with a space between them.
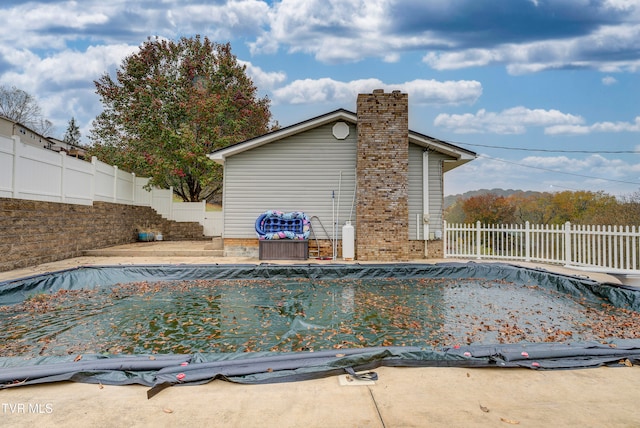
pixel 460 155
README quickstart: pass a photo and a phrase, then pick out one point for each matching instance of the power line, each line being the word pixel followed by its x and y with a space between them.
pixel 559 172
pixel 548 150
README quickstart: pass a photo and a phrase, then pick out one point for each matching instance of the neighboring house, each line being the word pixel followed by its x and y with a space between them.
pixel 365 167
pixel 70 149
pixel 9 128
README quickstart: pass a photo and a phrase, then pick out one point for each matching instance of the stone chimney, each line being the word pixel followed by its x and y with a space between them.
pixel 382 213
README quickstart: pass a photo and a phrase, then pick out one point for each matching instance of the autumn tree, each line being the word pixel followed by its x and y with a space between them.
pixel 629 212
pixel 171 104
pixel 23 108
pixel 72 134
pixel 581 207
pixel 488 209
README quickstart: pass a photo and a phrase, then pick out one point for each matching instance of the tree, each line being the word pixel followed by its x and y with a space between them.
pixel 629 210
pixel 488 209
pixel 23 108
pixel 72 135
pixel 170 105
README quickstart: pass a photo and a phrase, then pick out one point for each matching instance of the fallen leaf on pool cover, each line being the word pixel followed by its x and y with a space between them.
pixel 78 358
pixel 166 410
pixel 484 409
pixel 510 421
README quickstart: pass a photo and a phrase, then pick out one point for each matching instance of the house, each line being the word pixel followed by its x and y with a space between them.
pixel 365 167
pixel 10 128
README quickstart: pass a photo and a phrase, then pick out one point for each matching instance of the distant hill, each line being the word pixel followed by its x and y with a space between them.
pixel 451 199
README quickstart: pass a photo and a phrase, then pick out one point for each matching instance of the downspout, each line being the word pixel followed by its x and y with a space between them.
pixel 425 201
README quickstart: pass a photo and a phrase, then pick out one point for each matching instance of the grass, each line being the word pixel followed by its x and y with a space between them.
pixel 210 206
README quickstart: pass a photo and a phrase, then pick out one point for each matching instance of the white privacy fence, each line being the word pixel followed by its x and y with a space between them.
pixel 603 247
pixel 34 173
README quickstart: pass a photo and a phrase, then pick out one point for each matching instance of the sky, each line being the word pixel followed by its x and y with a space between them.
pixel 546 92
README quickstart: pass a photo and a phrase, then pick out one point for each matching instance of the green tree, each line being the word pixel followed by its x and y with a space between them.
pixel 629 212
pixel 72 135
pixel 454 213
pixel 170 105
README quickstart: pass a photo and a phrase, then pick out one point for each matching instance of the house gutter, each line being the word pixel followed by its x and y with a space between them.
pixel 425 201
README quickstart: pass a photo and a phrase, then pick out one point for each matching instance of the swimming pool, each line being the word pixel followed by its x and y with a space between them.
pixel 412 314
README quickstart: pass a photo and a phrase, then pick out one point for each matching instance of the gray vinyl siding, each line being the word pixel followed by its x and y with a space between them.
pixel 416 192
pixel 436 192
pixel 297 173
pixel 415 189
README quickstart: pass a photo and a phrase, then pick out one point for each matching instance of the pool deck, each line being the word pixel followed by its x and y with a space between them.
pixel 401 397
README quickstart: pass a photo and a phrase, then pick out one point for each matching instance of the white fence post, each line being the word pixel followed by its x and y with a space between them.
pixel 63 165
pixel 94 160
pixel 133 188
pixel 567 243
pixel 14 176
pixel 171 202
pixel 527 242
pixel 445 238
pixel 478 239
pixel 115 184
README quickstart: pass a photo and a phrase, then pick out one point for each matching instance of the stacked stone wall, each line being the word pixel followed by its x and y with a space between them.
pixel 34 232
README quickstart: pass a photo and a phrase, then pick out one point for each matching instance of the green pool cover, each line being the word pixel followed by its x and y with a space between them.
pixel 179 325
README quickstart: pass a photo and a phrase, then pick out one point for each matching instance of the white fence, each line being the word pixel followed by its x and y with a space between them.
pixel 34 173
pixel 603 247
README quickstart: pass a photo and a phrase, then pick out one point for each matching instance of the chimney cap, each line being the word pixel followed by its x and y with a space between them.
pixel 378 91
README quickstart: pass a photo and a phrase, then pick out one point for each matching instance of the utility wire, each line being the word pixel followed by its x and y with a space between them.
pixel 547 150
pixel 559 172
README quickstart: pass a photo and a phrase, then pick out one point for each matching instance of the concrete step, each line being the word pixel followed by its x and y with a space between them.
pixel 216 243
pixel 213 248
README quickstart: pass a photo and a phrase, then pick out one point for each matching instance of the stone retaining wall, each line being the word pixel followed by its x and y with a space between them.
pixel 34 232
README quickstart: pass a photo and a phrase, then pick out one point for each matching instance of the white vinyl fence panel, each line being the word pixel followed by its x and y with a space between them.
pixel 77 181
pixel 213 223
pixel 6 167
pixel 189 211
pixel 604 247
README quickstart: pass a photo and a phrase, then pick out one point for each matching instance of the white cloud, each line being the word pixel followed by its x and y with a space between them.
pixel 594 165
pixel 61 82
pixel 263 79
pixel 335 31
pixel 596 127
pixel 546 173
pixel 511 121
pixel 609 80
pixel 310 91
pixel 578 52
pixel 223 20
pixel 66 67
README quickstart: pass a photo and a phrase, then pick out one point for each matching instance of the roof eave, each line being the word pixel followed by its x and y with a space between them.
pixel 460 156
